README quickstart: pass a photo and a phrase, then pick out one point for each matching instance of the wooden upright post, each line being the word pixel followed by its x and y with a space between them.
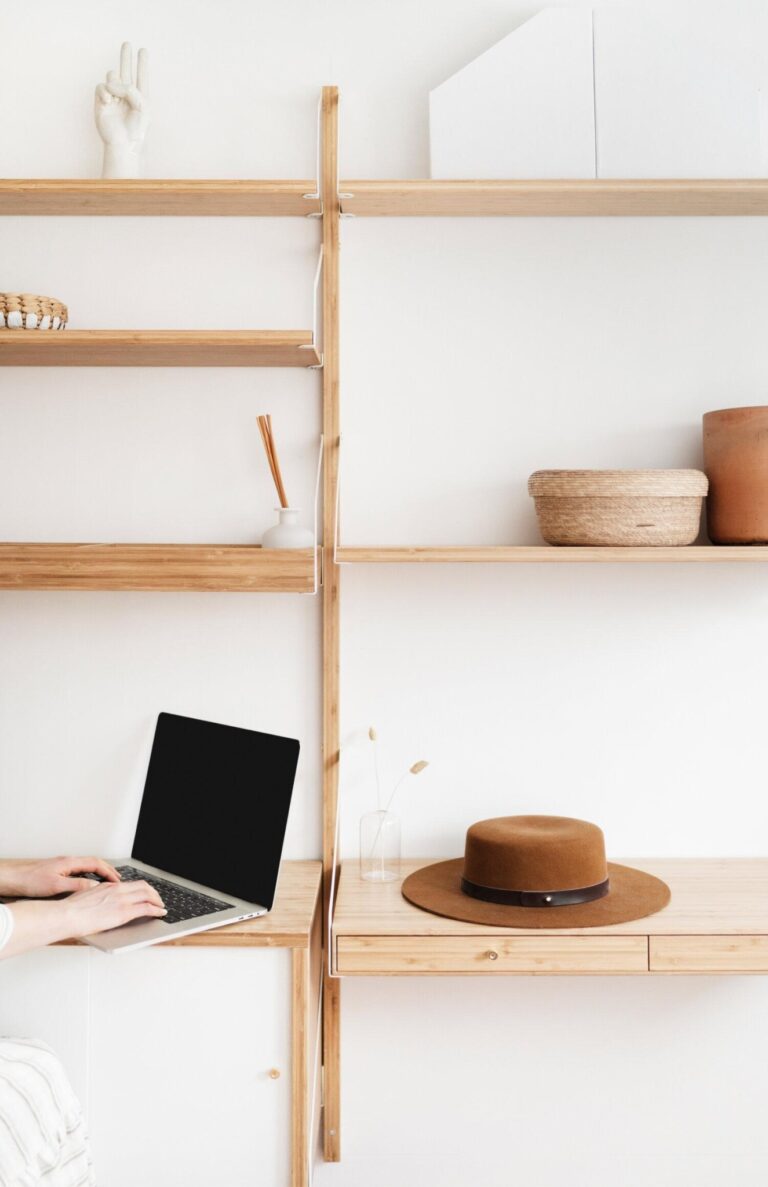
pixel 331 212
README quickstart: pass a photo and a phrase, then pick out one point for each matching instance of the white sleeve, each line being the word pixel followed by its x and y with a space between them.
pixel 6 925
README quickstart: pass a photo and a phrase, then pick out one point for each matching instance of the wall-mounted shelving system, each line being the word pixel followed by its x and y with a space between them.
pixel 160 567
pixel 294 922
pixel 374 931
pixel 735 939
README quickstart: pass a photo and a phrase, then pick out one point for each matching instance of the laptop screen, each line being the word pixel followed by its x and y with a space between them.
pixel 215 805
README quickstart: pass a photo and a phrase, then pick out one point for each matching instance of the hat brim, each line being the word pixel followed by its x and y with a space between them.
pixel 633 894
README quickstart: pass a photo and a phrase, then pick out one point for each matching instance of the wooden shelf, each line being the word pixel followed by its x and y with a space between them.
pixel 370 198
pixel 717 922
pixel 554 198
pixel 50 196
pixel 288 924
pixel 158 348
pixel 546 554
pixel 157 567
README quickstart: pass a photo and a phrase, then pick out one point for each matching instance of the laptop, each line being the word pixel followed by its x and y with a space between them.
pixel 210 831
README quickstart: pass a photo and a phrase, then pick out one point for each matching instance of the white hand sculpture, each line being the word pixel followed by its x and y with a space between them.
pixel 122 115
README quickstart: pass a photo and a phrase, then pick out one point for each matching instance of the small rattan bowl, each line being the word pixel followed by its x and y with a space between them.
pixel 624 508
pixel 27 311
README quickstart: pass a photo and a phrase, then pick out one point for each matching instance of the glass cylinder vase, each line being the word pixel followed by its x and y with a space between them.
pixel 380 846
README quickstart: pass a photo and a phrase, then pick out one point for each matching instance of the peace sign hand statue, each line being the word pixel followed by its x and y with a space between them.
pixel 122 115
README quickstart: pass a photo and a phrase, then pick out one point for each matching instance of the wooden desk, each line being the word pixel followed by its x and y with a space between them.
pixel 294 922
pixel 716 922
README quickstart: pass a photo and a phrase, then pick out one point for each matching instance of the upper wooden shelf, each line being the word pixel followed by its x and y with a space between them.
pixel 36 196
pixel 406 198
pixel 554 198
pixel 239 568
pixel 546 554
pixel 158 348
pixel 716 922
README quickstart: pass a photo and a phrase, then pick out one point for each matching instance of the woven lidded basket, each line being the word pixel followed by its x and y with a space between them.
pixel 618 507
pixel 26 311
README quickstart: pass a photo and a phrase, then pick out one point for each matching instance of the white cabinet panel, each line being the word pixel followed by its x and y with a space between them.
pixel 181 1047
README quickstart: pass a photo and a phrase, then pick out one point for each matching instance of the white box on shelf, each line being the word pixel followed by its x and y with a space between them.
pixel 632 91
pixel 524 108
pixel 677 91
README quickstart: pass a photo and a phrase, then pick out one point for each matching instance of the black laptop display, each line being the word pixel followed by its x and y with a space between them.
pixel 215 805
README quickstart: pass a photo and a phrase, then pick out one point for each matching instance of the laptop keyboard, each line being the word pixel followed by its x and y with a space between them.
pixel 179 902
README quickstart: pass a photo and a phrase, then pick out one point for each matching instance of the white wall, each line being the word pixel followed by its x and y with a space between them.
pixel 473 353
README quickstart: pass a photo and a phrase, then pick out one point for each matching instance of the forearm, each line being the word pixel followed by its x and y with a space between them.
pixel 36 924
pixel 11 879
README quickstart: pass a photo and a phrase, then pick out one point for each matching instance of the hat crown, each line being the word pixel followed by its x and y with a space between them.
pixel 535 853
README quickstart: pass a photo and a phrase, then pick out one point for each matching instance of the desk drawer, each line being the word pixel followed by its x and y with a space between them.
pixel 709 954
pixel 382 955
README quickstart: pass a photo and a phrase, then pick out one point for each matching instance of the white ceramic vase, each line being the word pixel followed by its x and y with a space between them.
pixel 288 532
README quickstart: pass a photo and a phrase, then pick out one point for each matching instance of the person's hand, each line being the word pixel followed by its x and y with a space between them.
pixel 122 114
pixel 102 906
pixel 43 877
pixel 107 905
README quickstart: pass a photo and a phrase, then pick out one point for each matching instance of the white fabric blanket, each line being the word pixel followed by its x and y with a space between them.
pixel 6 924
pixel 43 1142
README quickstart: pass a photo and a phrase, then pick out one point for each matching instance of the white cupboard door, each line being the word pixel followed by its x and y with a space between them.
pixel 182 1044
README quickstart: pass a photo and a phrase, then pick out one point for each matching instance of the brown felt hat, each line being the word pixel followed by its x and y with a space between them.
pixel 535 871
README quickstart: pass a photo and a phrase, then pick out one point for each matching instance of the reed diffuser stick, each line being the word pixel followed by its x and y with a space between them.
pixel 267 449
pixel 267 436
pixel 280 486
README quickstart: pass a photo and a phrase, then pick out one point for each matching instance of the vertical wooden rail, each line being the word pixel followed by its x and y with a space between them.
pixel 331 212
pixel 301 1064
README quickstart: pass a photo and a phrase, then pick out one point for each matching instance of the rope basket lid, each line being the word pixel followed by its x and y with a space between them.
pixel 29 311
pixel 611 484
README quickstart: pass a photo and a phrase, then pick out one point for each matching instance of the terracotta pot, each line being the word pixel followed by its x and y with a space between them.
pixel 736 463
